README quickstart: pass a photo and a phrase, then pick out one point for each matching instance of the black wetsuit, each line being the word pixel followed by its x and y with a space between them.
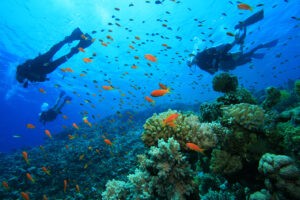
pixel 48 115
pixel 36 70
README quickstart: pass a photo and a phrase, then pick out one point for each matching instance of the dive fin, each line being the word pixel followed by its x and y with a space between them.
pixel 68 98
pixel 62 93
pixel 258 55
pixel 251 20
pixel 270 44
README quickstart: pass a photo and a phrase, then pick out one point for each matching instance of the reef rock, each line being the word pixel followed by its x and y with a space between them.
pixel 282 176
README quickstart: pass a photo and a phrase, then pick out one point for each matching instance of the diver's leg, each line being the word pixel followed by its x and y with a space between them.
pixel 75 35
pixel 54 64
pixel 67 98
pixel 56 105
pixel 251 20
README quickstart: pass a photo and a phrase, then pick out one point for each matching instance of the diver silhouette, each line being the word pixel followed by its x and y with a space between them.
pixel 219 58
pixel 47 114
pixel 36 70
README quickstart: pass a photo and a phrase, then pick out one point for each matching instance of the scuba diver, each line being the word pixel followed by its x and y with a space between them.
pixel 47 114
pixel 36 70
pixel 219 58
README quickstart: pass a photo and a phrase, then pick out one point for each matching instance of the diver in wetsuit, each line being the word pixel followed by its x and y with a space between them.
pixel 219 57
pixel 36 70
pixel 48 115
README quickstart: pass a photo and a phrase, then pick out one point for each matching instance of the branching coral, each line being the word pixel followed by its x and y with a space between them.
pixel 187 129
pixel 246 115
pixel 163 173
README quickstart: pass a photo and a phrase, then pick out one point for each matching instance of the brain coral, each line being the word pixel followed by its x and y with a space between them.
pixel 282 176
pixel 187 129
pixel 248 116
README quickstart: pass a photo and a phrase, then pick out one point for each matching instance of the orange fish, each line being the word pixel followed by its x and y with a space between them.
pixel 67 69
pixel 107 87
pixel 169 121
pixel 109 37
pixel 243 6
pixel 108 142
pixel 149 100
pixel 162 86
pixel 65 116
pixel 85 120
pixel 194 147
pixel 159 92
pixel 230 34
pixel 83 37
pixel 81 49
pixel 150 57
pixel 131 47
pixel 71 137
pixel 137 37
pixel 45 197
pixel 98 151
pixel 31 126
pixel 47 132
pixel 75 126
pixel 41 90
pixel 65 185
pixel 25 156
pixel 46 171
pixel 25 196
pixel 104 44
pixel 134 67
pixel 29 177
pixel 5 185
pixel 87 60
pixel 77 188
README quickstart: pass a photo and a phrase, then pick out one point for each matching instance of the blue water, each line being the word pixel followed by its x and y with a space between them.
pixel 32 27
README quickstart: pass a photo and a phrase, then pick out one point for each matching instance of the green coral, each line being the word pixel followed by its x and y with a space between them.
pixel 250 117
pixel 241 95
pixel 163 173
pixel 225 82
pixel 188 129
pixel 297 87
pixel 292 114
pixel 224 163
pixel 272 98
pixel 288 137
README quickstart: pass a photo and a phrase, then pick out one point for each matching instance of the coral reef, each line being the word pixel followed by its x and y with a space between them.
pixel 224 163
pixel 225 82
pixel 272 98
pixel 187 129
pixel 292 114
pixel 210 111
pixel 260 195
pixel 250 117
pixel 297 87
pixel 282 176
pixel 163 173
pixel 241 95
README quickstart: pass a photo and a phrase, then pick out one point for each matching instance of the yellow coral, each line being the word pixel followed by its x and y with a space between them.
pixel 188 129
pixel 248 116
